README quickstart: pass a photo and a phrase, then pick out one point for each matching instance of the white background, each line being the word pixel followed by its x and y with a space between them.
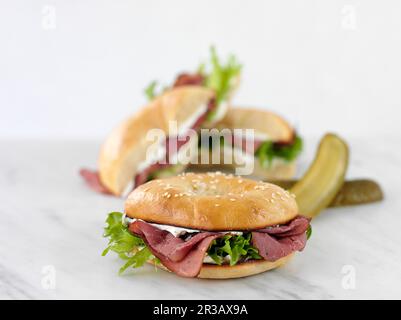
pixel 325 65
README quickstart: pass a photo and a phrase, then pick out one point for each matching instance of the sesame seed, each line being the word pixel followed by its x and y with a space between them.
pixel 232 199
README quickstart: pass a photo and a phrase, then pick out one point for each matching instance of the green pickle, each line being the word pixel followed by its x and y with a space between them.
pixel 324 178
pixel 358 192
pixel 353 192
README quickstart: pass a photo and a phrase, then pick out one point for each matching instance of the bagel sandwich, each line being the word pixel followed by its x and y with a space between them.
pixel 129 156
pixel 208 225
pixel 274 144
pixel 222 78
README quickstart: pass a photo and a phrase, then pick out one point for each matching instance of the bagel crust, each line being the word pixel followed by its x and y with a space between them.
pixel 245 269
pixel 263 122
pixel 126 146
pixel 212 202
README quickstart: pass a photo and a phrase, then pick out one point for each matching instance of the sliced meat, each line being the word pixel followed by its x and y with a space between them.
pixel 272 249
pixel 283 143
pixel 277 242
pixel 182 257
pixel 185 257
pixel 143 176
pixel 191 265
pixel 296 226
pixel 92 179
pixel 210 107
pixel 178 143
pixel 185 79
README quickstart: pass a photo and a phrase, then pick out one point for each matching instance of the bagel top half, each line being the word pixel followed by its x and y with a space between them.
pixel 266 124
pixel 212 202
pixel 125 148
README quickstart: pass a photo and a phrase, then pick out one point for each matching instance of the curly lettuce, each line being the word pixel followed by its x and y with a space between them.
pixel 237 247
pixel 269 151
pixel 222 77
pixel 130 248
pixel 218 76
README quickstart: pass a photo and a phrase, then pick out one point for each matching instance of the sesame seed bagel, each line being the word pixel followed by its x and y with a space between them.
pixel 211 201
pixel 265 123
pixel 127 145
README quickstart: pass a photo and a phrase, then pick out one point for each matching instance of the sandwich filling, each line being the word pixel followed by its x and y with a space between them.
pixel 185 252
pixel 265 150
pixel 268 151
pixel 150 170
pixel 246 149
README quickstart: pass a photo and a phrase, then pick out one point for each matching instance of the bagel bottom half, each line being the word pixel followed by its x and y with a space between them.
pixel 211 271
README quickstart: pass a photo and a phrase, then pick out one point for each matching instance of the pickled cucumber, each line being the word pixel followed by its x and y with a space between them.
pixel 353 192
pixel 324 178
pixel 358 192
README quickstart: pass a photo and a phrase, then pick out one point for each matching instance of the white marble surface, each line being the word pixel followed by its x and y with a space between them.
pixel 49 217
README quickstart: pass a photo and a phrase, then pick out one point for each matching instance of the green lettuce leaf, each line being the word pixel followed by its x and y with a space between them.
pixel 126 245
pixel 268 151
pixel 238 247
pixel 221 77
pixel 150 90
pixel 309 232
pixel 154 90
pixel 218 76
pixel 137 260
